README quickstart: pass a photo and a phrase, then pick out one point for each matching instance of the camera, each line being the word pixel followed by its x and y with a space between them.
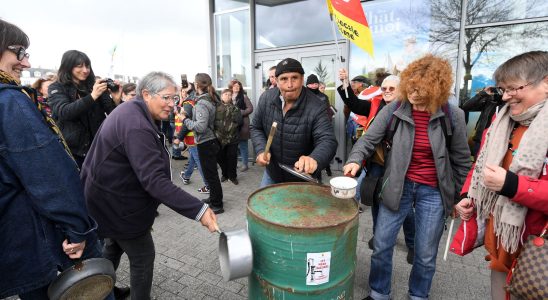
pixel 111 85
pixel 184 81
pixel 494 90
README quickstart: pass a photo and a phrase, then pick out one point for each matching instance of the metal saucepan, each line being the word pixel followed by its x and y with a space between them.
pixel 90 279
pixel 343 187
pixel 235 254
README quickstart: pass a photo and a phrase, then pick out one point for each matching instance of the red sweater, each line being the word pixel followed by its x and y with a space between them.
pixel 422 168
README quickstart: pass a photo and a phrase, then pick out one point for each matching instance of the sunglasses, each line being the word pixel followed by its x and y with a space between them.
pixel 20 51
pixel 390 88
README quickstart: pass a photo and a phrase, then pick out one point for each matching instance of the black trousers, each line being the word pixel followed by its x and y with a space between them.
pixel 228 160
pixel 140 252
pixel 208 152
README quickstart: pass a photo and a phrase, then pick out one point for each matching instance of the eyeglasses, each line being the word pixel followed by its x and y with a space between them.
pixel 20 51
pixel 389 88
pixel 168 98
pixel 511 91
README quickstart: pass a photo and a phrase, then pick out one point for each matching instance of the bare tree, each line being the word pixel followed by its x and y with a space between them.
pixel 478 42
pixel 440 20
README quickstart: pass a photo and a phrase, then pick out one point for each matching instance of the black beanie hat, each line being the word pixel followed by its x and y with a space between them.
pixel 312 79
pixel 289 65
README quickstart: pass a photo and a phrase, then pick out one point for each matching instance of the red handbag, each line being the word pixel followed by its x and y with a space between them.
pixel 469 236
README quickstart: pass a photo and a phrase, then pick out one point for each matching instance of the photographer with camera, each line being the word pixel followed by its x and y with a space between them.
pixel 488 101
pixel 79 102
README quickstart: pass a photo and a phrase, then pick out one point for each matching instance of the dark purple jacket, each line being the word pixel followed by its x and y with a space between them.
pixel 127 174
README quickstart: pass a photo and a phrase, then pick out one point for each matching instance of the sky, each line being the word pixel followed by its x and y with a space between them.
pixel 160 35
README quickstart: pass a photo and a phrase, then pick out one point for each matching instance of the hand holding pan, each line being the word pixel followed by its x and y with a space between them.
pixel 92 278
pixel 343 187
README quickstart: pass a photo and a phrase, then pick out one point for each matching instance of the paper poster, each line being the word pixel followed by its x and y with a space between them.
pixel 317 268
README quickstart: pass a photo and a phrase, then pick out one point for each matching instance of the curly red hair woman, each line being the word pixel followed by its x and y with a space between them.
pixel 423 172
pixel 431 78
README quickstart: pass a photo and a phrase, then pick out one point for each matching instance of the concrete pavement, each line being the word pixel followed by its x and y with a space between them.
pixel 187 266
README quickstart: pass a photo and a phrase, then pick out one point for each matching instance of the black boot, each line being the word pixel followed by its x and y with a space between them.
pixel 121 293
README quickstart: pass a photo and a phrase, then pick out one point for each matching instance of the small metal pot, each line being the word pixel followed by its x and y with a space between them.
pixel 235 254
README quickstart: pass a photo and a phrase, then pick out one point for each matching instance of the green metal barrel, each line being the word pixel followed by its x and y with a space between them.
pixel 304 243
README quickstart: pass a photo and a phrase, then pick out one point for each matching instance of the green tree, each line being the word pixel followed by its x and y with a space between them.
pixel 321 71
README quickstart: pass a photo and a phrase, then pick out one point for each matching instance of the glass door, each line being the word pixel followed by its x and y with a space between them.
pixel 321 61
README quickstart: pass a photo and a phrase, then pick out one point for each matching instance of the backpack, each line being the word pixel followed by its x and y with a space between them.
pixel 446 127
pixel 228 120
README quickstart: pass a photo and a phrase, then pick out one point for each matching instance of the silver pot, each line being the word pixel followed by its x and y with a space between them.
pixel 235 254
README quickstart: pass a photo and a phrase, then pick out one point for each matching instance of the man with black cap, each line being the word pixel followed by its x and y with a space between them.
pixel 313 84
pixel 358 84
pixel 304 138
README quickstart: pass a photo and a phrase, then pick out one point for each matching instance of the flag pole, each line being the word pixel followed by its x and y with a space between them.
pixel 339 57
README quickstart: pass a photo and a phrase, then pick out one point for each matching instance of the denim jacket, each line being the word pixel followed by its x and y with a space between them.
pixel 41 198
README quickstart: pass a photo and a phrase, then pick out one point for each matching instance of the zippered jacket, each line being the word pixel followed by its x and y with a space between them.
pixel 452 163
pixel 304 130
pixel 78 116
pixel 127 174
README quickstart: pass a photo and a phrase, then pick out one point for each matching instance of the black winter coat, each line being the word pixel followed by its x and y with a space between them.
pixel 78 116
pixel 304 130
pixel 485 103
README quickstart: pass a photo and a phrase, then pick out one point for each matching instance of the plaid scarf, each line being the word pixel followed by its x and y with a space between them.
pixel 6 78
pixel 508 216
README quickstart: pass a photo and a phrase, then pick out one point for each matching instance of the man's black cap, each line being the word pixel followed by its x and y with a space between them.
pixel 289 65
pixel 361 79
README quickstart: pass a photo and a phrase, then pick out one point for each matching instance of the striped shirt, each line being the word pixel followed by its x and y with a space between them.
pixel 422 168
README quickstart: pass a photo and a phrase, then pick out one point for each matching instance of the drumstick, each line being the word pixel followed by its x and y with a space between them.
pixel 448 239
pixel 270 138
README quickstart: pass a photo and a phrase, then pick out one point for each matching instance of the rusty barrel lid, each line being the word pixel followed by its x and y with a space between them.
pixel 301 205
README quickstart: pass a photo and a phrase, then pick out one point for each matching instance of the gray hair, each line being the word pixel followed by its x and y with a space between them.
pixel 155 82
pixel 529 66
pixel 392 78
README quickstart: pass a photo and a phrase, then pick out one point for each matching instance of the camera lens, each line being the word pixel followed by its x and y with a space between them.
pixel 111 85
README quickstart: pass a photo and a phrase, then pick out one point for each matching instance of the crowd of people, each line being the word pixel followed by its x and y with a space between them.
pixel 112 145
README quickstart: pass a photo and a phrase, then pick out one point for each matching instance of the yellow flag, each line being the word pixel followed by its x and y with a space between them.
pixel 352 23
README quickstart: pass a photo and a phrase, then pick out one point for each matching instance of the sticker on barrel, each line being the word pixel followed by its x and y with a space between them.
pixel 317 268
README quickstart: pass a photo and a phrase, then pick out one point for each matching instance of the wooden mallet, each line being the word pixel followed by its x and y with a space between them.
pixel 270 138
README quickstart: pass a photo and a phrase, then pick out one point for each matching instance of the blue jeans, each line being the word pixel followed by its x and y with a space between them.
pixel 409 222
pixel 266 181
pixel 358 196
pixel 429 224
pixel 244 152
pixel 194 159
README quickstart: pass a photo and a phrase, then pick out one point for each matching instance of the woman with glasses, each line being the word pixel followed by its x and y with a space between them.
pixel 424 171
pixel 202 123
pixel 41 86
pixel 41 199
pixel 508 186
pixel 240 99
pixel 79 102
pixel 127 174
pixel 374 167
